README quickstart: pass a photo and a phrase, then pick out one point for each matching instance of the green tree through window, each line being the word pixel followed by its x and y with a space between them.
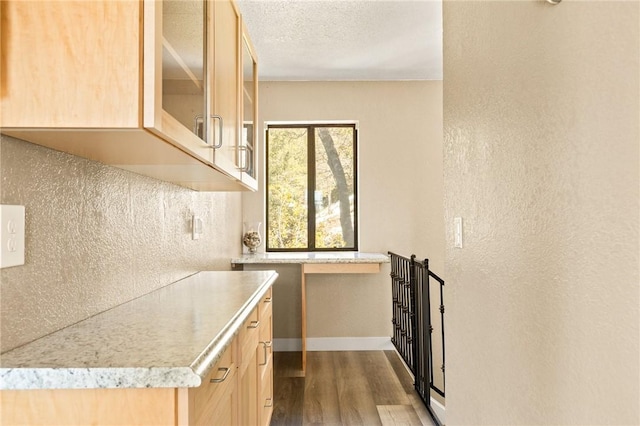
pixel 311 187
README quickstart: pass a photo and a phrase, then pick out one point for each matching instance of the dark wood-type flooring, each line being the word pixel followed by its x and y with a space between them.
pixel 345 388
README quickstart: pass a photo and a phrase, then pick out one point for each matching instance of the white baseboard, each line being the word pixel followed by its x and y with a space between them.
pixel 334 344
pixel 438 410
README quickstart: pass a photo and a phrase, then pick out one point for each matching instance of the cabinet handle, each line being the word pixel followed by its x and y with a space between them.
pixel 244 168
pixel 219 145
pixel 197 126
pixel 267 300
pixel 268 403
pixel 224 377
pixel 254 324
pixel 265 346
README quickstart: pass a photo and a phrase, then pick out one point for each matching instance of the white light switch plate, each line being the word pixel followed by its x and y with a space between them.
pixel 196 227
pixel 457 232
pixel 11 236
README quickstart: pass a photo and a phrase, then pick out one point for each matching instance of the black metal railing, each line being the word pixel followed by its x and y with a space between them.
pixel 412 322
pixel 402 288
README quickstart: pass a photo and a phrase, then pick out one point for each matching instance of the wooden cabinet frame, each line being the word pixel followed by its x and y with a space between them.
pixel 248 178
pixel 94 90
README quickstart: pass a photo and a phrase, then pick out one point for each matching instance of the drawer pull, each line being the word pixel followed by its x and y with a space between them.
pixel 267 300
pixel 254 324
pixel 224 376
pixel 268 403
pixel 265 346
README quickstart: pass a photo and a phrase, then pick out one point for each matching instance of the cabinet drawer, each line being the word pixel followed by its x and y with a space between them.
pixel 265 304
pixel 249 328
pixel 265 366
pixel 248 339
pixel 265 401
pixel 265 348
pixel 220 382
pixel 266 324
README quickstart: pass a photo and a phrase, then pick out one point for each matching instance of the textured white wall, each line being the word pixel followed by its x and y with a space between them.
pixel 541 120
pixel 97 236
pixel 400 194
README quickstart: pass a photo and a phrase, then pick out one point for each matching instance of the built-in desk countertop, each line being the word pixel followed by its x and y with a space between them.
pixel 317 263
pixel 333 258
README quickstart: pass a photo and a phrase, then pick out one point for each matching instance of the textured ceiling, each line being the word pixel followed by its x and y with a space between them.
pixel 346 39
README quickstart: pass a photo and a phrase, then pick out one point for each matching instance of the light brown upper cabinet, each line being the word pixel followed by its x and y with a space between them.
pixel 226 91
pixel 176 82
pixel 249 132
pixel 149 86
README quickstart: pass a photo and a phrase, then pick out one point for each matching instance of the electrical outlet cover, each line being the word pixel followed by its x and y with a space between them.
pixel 12 225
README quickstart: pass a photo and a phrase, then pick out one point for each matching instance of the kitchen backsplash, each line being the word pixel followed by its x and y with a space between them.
pixel 98 236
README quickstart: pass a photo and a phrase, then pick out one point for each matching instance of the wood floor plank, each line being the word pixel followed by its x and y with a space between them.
pixel 384 383
pixel 288 401
pixel 357 406
pixel 321 405
pixel 398 415
pixel 287 364
pixel 401 371
pixel 420 409
pixel 345 388
pixel 405 377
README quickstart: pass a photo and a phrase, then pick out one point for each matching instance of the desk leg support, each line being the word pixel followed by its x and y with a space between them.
pixel 303 320
pixel 326 268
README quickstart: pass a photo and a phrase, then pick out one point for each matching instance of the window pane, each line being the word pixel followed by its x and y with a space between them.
pixel 287 214
pixel 334 190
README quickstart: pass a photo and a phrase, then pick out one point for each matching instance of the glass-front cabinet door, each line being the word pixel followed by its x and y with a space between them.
pixel 183 63
pixel 194 55
pixel 176 75
pixel 249 134
pixel 226 84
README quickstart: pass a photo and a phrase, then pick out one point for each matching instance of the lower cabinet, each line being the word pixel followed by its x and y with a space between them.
pixel 248 370
pixel 256 366
pixel 237 391
pixel 215 402
pixel 265 363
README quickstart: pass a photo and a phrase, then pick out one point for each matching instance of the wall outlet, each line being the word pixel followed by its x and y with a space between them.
pixel 11 236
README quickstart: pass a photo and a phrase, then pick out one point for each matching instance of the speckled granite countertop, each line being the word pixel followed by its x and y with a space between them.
pixel 171 337
pixel 312 257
